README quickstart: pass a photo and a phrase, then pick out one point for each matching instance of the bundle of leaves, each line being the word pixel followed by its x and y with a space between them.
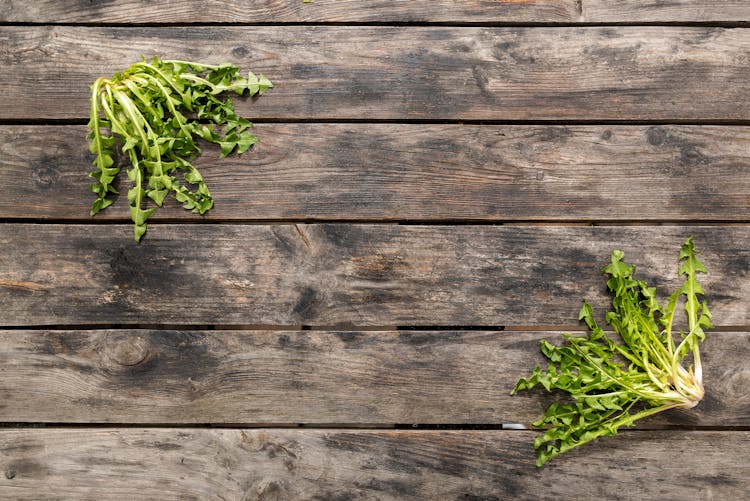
pixel 614 384
pixel 155 112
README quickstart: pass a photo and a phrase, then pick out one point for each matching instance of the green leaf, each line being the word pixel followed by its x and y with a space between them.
pixel 258 84
pixel 139 215
pixel 103 147
pixel 238 125
pixel 245 141
pixel 152 110
pixel 705 320
pixel 158 196
pixel 139 231
pixel 193 177
pixel 99 204
pixel 608 395
pixel 227 147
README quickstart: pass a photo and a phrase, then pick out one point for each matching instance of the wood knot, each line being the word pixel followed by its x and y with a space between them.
pixel 128 350
pixel 656 136
pixel 44 173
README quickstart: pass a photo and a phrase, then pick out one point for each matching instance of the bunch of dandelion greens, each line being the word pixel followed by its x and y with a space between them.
pixel 614 384
pixel 155 111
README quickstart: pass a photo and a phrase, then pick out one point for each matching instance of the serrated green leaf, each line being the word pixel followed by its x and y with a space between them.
pixel 158 196
pixel 139 231
pixel 227 147
pixel 204 205
pixel 607 394
pixel 139 216
pixel 258 84
pixel 193 177
pixel 705 320
pixel 99 204
pixel 240 124
pixel 245 141
pixel 153 108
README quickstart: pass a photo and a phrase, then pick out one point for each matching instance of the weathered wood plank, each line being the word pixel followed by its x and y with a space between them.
pixel 418 172
pixel 659 11
pixel 187 464
pixel 292 11
pixel 345 274
pixel 255 378
pixel 399 11
pixel 339 72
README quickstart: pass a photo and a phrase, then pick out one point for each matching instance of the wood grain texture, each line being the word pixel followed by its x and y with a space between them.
pixel 253 378
pixel 399 73
pixel 381 11
pixel 198 464
pixel 291 11
pixel 154 358
pixel 673 11
pixel 417 172
pixel 346 274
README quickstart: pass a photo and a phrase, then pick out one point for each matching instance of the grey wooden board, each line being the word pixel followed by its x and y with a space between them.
pixel 270 378
pixel 406 73
pixel 417 172
pixel 198 464
pixel 345 274
pixel 673 11
pixel 382 11
pixel 289 11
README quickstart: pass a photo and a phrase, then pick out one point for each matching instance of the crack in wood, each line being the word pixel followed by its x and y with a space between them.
pixel 21 285
pixel 304 237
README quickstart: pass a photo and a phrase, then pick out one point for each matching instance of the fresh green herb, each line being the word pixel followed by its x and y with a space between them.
pixel 614 384
pixel 153 112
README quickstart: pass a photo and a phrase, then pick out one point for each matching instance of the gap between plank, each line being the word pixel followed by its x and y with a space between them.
pixel 325 328
pixel 260 327
pixel 388 24
pixel 415 121
pixel 380 221
pixel 340 426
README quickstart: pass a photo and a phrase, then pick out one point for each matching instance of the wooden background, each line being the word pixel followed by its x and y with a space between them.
pixel 437 186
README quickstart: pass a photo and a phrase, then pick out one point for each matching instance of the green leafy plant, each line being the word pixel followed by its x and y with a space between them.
pixel 155 111
pixel 614 384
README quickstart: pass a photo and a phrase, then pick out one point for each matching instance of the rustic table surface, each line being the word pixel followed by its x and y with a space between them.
pixel 437 186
